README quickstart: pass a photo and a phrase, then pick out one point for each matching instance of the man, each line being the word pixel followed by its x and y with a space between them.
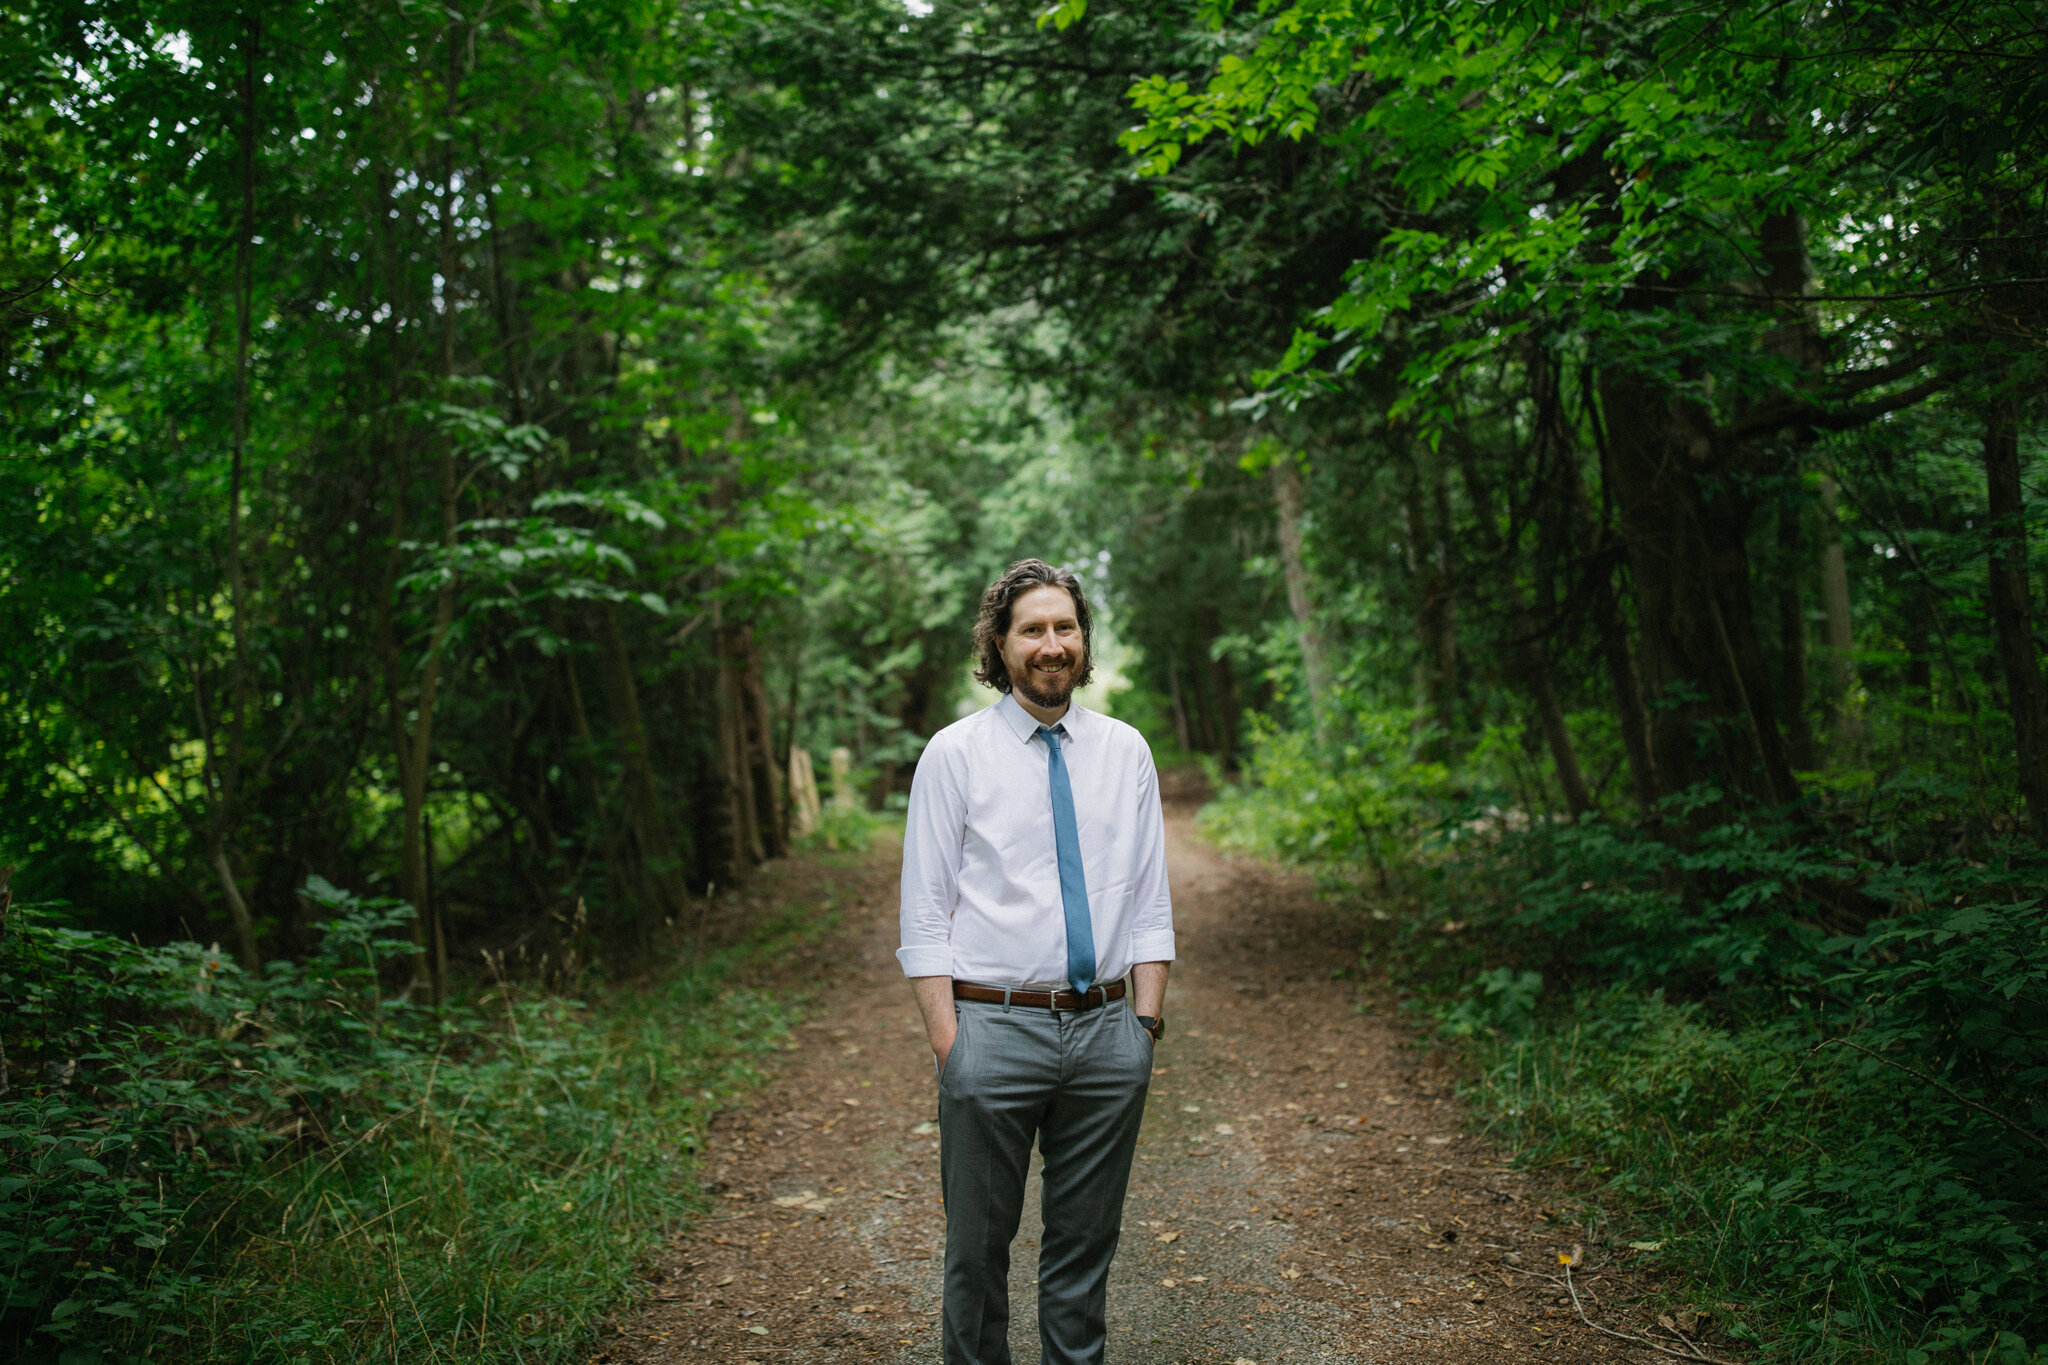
pixel 1034 880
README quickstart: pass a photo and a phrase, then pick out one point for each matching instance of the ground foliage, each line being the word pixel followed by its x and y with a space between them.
pixel 204 1165
pixel 1842 1129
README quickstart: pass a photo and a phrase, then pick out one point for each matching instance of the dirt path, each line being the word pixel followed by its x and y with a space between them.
pixel 1302 1193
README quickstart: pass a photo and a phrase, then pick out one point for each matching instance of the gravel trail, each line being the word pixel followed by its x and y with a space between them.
pixel 1303 1191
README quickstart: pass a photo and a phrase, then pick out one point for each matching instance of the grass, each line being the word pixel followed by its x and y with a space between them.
pixel 1812 1204
pixel 341 1177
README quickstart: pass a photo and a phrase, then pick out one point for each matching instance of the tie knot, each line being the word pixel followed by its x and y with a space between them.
pixel 1052 734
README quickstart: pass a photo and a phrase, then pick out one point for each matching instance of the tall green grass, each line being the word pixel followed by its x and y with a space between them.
pixel 202 1165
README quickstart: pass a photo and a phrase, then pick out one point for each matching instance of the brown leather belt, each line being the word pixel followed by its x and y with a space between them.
pixel 1095 996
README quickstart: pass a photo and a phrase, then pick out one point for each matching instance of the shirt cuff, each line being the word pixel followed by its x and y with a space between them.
pixel 1153 946
pixel 926 959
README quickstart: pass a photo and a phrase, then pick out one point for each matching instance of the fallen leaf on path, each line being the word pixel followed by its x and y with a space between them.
pixel 1198 1279
pixel 722 1283
pixel 862 1308
pixel 1169 1236
pixel 1170 1284
pixel 923 1128
pixel 852 1104
pixel 758 1331
pixel 1646 1246
pixel 1291 1273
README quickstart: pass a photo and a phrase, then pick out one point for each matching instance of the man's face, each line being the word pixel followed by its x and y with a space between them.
pixel 1043 649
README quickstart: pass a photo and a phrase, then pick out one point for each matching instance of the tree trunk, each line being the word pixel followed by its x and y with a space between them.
pixel 770 816
pixel 1788 280
pixel 740 837
pixel 1578 798
pixel 246 951
pixel 1180 710
pixel 1627 684
pixel 1225 705
pixel 1792 639
pixel 657 871
pixel 1622 675
pixel 1314 650
pixel 1845 706
pixel 2011 613
pixel 413 748
pixel 1532 661
pixel 1436 640
pixel 1686 532
pixel 226 769
pixel 412 742
pixel 437 934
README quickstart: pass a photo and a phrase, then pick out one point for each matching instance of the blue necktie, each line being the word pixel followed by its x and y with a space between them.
pixel 1066 834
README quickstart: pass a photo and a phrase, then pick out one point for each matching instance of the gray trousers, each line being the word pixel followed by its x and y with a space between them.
pixel 1076 1084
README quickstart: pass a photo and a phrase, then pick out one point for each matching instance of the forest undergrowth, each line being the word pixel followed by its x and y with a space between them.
pixel 308 1166
pixel 1794 1056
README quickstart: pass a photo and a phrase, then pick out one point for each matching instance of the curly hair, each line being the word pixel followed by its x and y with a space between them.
pixel 994 622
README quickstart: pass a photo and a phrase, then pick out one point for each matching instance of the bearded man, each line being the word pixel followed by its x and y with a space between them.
pixel 1034 884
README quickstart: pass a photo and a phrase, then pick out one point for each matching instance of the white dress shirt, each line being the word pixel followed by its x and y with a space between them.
pixel 981 877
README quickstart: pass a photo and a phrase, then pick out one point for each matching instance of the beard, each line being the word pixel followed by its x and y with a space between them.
pixel 1048 690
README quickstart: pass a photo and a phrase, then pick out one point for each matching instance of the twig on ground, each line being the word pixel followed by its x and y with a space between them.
pixel 1690 1353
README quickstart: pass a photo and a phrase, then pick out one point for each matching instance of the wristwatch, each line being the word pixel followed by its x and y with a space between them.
pixel 1152 1024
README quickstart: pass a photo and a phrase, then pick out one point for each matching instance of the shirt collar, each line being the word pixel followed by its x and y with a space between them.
pixel 1024 725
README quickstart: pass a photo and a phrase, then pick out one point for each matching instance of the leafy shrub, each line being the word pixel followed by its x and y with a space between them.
pixel 1810 1048
pixel 1857 1206
pixel 848 828
pixel 1349 805
pixel 1499 1001
pixel 201 1164
pixel 1861 1116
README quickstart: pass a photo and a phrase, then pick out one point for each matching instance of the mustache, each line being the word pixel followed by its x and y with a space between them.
pixel 1050 682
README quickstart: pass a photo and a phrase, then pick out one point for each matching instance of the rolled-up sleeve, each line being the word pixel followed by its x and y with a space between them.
pixel 1151 903
pixel 932 837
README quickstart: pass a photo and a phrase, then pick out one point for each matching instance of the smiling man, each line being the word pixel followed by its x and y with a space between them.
pixel 1034 884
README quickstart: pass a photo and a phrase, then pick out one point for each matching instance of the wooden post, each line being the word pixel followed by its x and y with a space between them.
pixel 842 779
pixel 806 812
